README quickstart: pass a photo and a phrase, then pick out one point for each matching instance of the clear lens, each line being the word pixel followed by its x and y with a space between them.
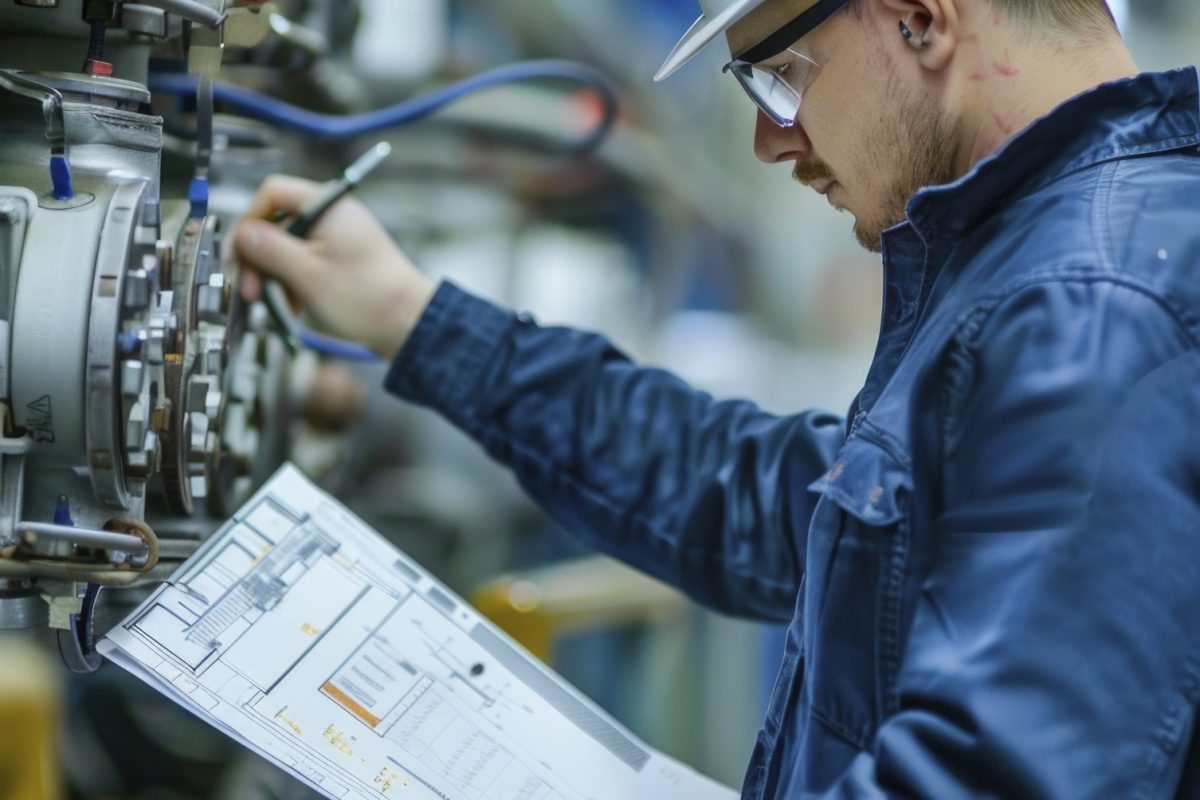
pixel 769 92
pixel 777 88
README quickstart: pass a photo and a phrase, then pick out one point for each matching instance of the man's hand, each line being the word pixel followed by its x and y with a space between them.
pixel 348 274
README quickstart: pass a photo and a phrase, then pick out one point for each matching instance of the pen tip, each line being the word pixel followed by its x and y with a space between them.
pixel 367 162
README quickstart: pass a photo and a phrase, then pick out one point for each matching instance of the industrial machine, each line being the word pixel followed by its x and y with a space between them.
pixel 131 375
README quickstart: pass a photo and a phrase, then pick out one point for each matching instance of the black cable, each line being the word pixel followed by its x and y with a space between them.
pixel 77 644
pixel 84 622
pixel 95 51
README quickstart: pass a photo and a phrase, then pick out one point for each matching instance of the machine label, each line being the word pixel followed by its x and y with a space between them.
pixel 40 420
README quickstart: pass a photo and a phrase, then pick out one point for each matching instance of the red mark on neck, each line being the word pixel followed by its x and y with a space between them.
pixel 970 38
pixel 1003 123
pixel 977 75
pixel 997 18
pixel 1005 67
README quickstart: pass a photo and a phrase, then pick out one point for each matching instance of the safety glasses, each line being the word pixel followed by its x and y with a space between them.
pixel 776 88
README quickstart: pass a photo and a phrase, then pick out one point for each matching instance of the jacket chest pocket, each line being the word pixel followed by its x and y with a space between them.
pixel 857 553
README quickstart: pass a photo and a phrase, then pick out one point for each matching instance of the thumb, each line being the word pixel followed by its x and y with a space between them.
pixel 268 249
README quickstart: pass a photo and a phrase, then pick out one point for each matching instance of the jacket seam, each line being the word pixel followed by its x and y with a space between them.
pixel 962 340
pixel 1166 739
pixel 988 302
pixel 1157 147
pixel 891 616
pixel 1101 207
pixel 886 441
pixel 858 741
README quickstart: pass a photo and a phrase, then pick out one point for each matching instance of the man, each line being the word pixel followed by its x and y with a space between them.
pixel 992 569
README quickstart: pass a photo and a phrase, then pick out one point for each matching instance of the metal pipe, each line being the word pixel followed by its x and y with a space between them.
pixel 101 540
pixel 198 188
pixel 51 100
pixel 81 573
pixel 189 9
pixel 56 128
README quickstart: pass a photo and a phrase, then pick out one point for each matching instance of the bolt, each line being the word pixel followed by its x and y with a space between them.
pixel 208 303
pixel 135 426
pixel 137 290
pixel 133 375
pixel 156 346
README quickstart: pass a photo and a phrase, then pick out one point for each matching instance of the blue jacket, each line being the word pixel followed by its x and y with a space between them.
pixel 991 568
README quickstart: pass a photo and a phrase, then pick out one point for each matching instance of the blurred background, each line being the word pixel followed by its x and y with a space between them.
pixel 672 239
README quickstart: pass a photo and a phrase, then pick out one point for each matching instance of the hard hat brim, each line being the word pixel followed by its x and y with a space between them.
pixel 701 35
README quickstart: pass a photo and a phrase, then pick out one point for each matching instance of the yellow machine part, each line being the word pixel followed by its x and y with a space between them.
pixel 539 607
pixel 29 725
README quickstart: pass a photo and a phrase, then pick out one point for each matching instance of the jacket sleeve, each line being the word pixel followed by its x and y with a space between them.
pixel 1055 644
pixel 708 496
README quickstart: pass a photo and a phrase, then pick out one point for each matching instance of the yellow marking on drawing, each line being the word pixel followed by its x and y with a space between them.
pixel 309 629
pixel 338 740
pixel 261 555
pixel 282 717
pixel 386 778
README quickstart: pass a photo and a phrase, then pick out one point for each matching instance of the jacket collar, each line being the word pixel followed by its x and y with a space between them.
pixel 1148 113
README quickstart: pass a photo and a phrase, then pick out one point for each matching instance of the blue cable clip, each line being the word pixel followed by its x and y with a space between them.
pixel 198 197
pixel 60 177
pixel 62 512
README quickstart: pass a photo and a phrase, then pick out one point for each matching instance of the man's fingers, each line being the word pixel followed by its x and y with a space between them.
pixel 282 193
pixel 249 284
pixel 269 250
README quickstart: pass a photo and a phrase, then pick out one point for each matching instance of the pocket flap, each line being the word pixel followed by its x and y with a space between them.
pixel 868 480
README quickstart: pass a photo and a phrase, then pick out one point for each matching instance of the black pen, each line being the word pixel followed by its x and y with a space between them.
pixel 337 189
pixel 303 223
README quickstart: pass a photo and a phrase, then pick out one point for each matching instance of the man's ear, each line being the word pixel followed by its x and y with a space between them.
pixel 930 27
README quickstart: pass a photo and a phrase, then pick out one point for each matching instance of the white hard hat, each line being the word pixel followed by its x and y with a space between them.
pixel 779 27
pixel 716 17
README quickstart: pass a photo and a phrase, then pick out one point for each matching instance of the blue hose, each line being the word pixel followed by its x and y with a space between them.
pixel 333 126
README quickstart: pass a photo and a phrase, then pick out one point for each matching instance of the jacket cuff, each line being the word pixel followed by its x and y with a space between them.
pixel 442 360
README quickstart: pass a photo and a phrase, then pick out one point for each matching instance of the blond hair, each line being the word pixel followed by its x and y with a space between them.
pixel 1063 15
pixel 1069 14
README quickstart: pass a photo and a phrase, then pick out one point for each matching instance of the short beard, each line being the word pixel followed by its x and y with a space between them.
pixel 921 141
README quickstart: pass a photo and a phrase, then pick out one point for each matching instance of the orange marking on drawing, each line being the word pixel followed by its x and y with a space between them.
pixel 347 702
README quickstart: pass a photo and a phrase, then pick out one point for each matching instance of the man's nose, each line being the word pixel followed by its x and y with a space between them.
pixel 773 144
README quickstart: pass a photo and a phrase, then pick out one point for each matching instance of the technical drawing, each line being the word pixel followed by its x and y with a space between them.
pixel 302 633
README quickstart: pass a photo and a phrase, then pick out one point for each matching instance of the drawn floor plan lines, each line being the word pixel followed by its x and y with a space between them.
pixel 303 634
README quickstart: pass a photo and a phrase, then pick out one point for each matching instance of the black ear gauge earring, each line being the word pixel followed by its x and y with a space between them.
pixel 911 37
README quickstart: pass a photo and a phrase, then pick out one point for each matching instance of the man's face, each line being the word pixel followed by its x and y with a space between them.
pixel 869 134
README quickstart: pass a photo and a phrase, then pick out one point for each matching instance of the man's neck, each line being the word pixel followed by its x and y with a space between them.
pixel 1008 84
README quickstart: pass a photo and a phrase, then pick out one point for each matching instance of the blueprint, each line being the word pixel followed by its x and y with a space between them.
pixel 303 634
